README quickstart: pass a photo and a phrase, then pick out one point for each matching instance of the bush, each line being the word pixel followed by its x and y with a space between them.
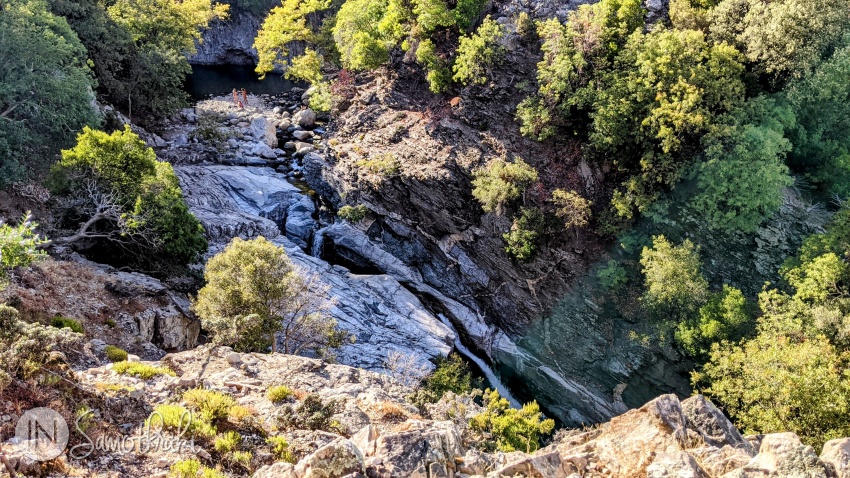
pixel 242 458
pixel 312 413
pixel 477 53
pixel 114 181
pixel 247 307
pixel 573 209
pixel 672 276
pixel 353 214
pixel 278 393
pixel 20 246
pixel 26 348
pixel 227 442
pixel 725 317
pixel 385 165
pixel 192 469
pixel 612 275
pixel 525 234
pixel 512 429
pixel 210 406
pixel 116 354
pixel 178 419
pixel 280 449
pixel 438 74
pixel 140 370
pixel 451 374
pixel 501 182
pixel 63 322
pixel 322 100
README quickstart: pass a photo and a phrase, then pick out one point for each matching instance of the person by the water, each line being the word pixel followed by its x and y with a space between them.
pixel 244 96
pixel 235 97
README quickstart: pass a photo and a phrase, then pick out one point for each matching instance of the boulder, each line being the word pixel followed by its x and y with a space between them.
pixel 836 455
pixel 334 460
pixel 423 450
pixel 305 118
pixel 782 454
pixel 627 445
pixel 543 465
pixel 264 130
pixel 675 465
pixel 714 428
pixel 302 134
pixel 300 222
pixel 277 470
pixel 263 150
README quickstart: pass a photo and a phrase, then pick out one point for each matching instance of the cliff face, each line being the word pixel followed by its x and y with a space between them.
pixel 229 42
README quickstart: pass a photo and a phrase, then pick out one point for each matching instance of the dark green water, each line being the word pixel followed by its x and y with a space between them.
pixel 217 80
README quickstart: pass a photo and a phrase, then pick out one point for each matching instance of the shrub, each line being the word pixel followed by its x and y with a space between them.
pixel 178 419
pixel 140 370
pixel 525 25
pixel 239 414
pixel 312 413
pixel 573 209
pixel 63 322
pixel 136 200
pixel 211 406
pixel 116 354
pixel 438 74
pixel 278 393
pixel 353 214
pixel 513 430
pixel 725 317
pixel 385 165
pixel 193 469
pixel 612 275
pixel 242 458
pixel 525 234
pixel 280 449
pixel 26 348
pixel 322 99
pixel 477 53
pixel 672 276
pixel 501 183
pixel 227 442
pixel 19 245
pixel 247 307
pixel 451 374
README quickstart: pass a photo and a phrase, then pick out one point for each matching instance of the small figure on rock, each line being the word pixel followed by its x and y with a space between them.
pixel 244 96
pixel 235 97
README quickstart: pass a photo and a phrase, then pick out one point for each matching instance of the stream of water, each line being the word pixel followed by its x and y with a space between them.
pixel 488 372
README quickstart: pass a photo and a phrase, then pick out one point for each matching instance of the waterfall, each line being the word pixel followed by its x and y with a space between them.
pixel 489 374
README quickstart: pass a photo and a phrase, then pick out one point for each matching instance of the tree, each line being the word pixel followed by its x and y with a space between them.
pixel 573 209
pixel 118 195
pixel 741 179
pixel 360 40
pixel 284 25
pixel 525 233
pixel 821 103
pixel 45 88
pixel 781 38
pixel 665 94
pixel 477 53
pixel 774 383
pixel 501 183
pixel 164 33
pixel 512 429
pixel 576 56
pixel 725 317
pixel 256 299
pixel 672 275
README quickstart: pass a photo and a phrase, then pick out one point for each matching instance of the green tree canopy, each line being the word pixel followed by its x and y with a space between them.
pixel 477 53
pixel 821 102
pixel 666 92
pixel 741 178
pixel 45 88
pixel 164 33
pixel 256 299
pixel 119 193
pixel 781 38
pixel 501 182
pixel 672 275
